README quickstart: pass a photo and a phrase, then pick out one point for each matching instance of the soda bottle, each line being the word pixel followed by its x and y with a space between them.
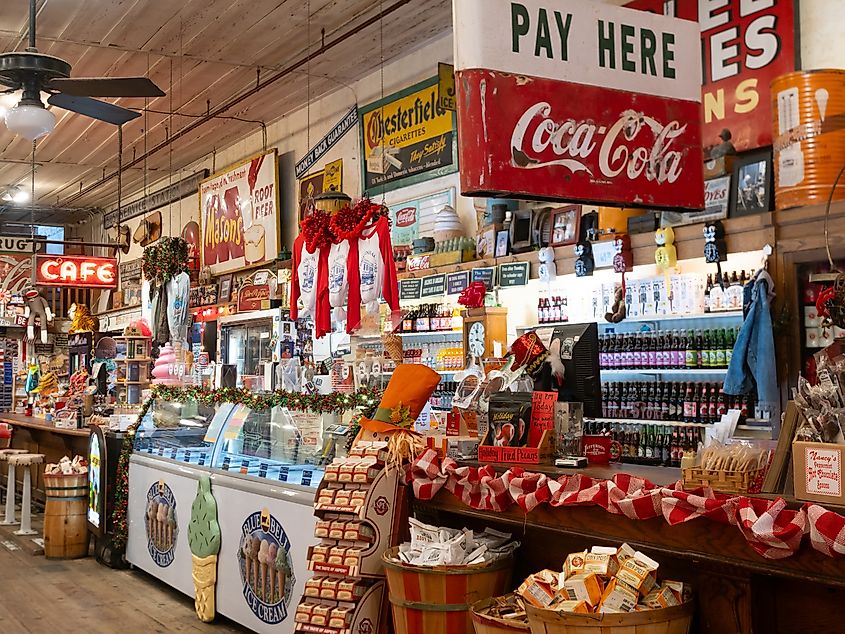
pixel 690 410
pixel 699 347
pixel 691 352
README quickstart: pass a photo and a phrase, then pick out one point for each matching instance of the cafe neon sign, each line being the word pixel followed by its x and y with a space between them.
pixel 80 271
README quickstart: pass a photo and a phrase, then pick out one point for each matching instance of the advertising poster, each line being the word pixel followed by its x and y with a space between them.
pixel 407 138
pixel 239 213
pixel 329 179
pixel 631 137
pixel 744 46
pixel 416 217
pixel 15 273
pixel 95 485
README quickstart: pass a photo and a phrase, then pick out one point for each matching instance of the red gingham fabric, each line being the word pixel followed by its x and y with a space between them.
pixel 770 528
pixel 827 530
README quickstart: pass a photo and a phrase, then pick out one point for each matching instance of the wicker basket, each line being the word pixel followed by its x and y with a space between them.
pixel 438 599
pixel 724 481
pixel 74 485
pixel 486 624
pixel 674 620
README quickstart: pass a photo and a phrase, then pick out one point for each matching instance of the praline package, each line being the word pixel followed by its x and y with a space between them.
pixel 509 417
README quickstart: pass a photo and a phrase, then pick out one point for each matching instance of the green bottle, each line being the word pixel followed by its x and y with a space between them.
pixel 721 348
pixel 707 361
pixel 691 360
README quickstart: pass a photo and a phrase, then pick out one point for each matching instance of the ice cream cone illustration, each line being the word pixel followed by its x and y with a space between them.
pixel 246 544
pixel 254 547
pixel 204 541
pixel 263 560
pixel 272 553
pixel 282 571
pixel 152 514
pixel 161 526
pixel 171 526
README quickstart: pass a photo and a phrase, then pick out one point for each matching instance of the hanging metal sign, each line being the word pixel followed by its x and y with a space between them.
pixel 327 142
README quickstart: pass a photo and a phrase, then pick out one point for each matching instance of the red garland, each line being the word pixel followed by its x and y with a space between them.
pixel 349 223
pixel 317 230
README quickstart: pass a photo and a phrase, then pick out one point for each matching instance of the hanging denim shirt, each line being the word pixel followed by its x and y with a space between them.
pixel 753 364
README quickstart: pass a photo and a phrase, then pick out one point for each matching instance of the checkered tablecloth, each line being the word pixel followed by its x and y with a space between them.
pixel 770 528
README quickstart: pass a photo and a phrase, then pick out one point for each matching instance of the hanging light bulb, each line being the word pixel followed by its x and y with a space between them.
pixel 15 194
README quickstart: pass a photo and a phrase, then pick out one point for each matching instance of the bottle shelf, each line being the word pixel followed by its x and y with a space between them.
pixel 665 371
pixel 723 314
pixel 645 421
pixel 433 333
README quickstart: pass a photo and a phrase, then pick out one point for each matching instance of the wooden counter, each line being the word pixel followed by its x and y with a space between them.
pixel 737 590
pixel 38 436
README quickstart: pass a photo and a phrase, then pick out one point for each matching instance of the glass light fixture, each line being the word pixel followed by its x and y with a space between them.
pixel 15 194
pixel 30 119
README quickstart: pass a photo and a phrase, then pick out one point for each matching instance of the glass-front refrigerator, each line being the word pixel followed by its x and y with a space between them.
pixel 248 341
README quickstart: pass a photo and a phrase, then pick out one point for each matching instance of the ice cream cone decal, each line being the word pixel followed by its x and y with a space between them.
pixel 263 552
pixel 272 553
pixel 204 541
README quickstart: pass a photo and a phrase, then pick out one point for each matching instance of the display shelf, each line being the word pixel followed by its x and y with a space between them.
pixel 366 617
pixel 732 314
pixel 666 371
pixel 433 333
pixel 646 421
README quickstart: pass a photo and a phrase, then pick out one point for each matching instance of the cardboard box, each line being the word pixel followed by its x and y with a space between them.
pixel 818 472
pixel 602 561
pixel 539 589
pixel 639 572
pixel 661 597
pixel 586 586
pixel 574 564
pixel 572 607
pixel 618 597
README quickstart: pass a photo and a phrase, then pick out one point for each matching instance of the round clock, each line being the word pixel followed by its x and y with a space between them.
pixel 475 339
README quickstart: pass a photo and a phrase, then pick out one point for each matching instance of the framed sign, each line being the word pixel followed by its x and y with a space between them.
pixel 514 274
pixel 433 286
pixel 410 289
pixel 239 213
pixel 633 135
pixel 328 179
pixel 407 138
pixel 457 282
pixel 744 46
pixel 486 274
pixel 15 274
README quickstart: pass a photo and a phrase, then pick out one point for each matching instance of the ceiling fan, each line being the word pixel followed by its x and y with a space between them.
pixel 33 72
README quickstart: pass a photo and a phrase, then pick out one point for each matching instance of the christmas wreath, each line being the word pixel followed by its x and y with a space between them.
pixel 165 260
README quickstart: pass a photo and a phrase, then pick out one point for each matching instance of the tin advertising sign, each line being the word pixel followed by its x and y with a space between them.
pixel 578 101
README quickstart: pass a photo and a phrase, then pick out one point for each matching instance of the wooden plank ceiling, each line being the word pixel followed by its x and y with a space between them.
pixel 203 53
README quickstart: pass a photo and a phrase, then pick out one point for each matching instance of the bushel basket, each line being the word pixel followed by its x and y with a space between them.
pixel 674 620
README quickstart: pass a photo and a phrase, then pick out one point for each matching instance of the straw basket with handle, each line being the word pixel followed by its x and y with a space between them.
pixel 488 624
pixel 674 620
pixel 437 599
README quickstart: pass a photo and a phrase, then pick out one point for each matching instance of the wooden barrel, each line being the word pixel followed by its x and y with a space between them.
pixel 809 136
pixel 674 620
pixel 438 599
pixel 486 624
pixel 65 521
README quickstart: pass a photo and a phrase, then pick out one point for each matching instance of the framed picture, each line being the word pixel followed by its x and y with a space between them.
pixel 501 244
pixel 225 293
pixel 522 226
pixel 752 183
pixel 565 221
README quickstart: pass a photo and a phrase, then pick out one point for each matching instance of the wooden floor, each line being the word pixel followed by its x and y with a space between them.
pixel 40 596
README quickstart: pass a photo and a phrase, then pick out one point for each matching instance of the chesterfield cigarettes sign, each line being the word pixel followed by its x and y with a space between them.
pixel 239 210
pixel 575 100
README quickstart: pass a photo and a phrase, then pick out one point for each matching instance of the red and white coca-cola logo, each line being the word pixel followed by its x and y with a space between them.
pixel 635 145
pixel 406 217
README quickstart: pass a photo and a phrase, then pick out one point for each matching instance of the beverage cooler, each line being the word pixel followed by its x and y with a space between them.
pixel 252 341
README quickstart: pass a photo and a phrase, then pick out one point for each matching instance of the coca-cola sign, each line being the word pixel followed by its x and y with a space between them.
pixel 406 216
pixel 580 101
pixel 605 146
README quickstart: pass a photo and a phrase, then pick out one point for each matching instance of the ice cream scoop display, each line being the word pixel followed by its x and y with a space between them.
pixel 204 540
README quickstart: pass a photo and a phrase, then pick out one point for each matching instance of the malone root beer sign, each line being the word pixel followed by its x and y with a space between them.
pixel 745 44
pixel 574 100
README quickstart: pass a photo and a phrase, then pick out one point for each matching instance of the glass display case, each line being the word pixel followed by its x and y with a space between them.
pixel 277 444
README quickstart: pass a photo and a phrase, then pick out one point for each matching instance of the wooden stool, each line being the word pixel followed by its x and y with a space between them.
pixel 10 520
pixel 26 460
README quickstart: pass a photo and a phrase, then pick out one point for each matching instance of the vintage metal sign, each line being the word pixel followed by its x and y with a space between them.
pixel 327 142
pixel 253 297
pixel 79 271
pixel 160 198
pixel 239 213
pixel 744 45
pixel 407 138
pixel 579 101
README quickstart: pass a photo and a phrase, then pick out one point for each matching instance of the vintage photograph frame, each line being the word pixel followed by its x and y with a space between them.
pixel 225 293
pixel 565 226
pixel 752 183
pixel 502 243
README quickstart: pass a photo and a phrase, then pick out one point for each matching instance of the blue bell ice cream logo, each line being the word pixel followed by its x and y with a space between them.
pixel 160 523
pixel 266 567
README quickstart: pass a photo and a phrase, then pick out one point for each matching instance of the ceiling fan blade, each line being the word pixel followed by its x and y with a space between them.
pixel 106 87
pixel 94 108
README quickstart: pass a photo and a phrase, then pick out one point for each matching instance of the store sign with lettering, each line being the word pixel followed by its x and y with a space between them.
pixel 327 142
pixel 239 213
pixel 745 44
pixel 410 289
pixel 79 271
pixel 486 274
pixel 15 275
pixel 433 286
pixel 514 274
pixel 252 297
pixel 593 103
pixel 823 471
pixel 18 244
pixel 457 282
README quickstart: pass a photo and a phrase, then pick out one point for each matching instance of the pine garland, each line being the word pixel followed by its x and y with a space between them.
pixel 165 260
pixel 336 403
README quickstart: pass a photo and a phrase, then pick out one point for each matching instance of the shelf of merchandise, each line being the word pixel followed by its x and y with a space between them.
pixel 666 372
pixel 433 333
pixel 727 314
pixel 642 421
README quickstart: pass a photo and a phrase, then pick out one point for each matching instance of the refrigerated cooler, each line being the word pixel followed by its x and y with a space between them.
pixel 251 341
pixel 265 467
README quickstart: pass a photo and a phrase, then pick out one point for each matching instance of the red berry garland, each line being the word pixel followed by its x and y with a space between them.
pixel 349 223
pixel 317 230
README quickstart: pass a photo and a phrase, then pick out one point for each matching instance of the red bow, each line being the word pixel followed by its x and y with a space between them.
pixel 473 295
